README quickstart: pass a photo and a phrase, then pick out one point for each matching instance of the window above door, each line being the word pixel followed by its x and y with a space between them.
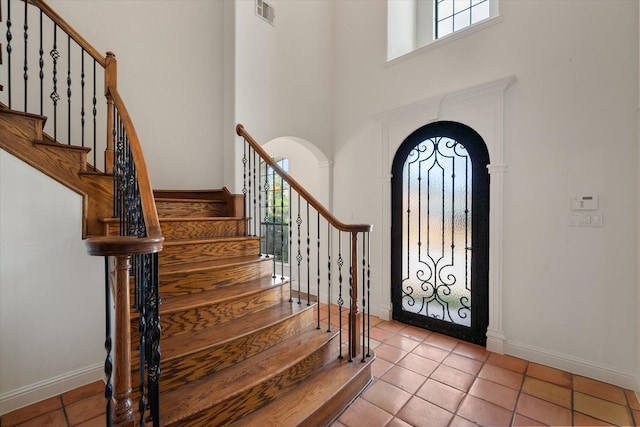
pixel 414 24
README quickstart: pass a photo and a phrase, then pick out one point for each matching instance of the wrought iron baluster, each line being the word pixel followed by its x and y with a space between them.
pixel 340 263
pixel 94 112
pixel 26 50
pixel 245 189
pixel 108 362
pixel 299 255
pixel 247 223
pixel 290 250
pixel 142 331
pixel 368 329
pixel 154 354
pixel 9 36
pixel 351 317
pixel 41 65
pixel 82 113
pixel 329 296
pixel 55 55
pixel 282 218
pixel 308 259
pixel 318 264
pixel 256 180
pixel 272 220
pixel 69 89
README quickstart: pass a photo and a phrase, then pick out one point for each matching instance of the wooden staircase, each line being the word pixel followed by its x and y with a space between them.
pixel 236 349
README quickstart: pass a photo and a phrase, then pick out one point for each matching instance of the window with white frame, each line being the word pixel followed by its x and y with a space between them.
pixel 412 24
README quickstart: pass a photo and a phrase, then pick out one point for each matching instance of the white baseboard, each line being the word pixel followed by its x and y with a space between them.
pixel 572 364
pixel 27 395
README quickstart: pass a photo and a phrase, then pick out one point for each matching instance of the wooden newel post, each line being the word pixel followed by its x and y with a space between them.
pixel 122 406
pixel 122 248
pixel 354 314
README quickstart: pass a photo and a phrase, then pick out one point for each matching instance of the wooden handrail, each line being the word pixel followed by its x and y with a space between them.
pixel 64 25
pixel 144 183
pixel 351 228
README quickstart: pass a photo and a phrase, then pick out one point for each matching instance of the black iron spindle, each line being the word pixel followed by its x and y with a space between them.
pixel 9 36
pixel 142 331
pixel 340 263
pixel 256 180
pixel 367 329
pixel 282 219
pixel 245 189
pixel 299 254
pixel 364 298
pixel 108 362
pixel 69 89
pixel 82 112
pixel 351 317
pixel 154 354
pixel 308 259
pixel 41 66
pixel 290 250
pixel 55 97
pixel 94 112
pixel 25 67
pixel 329 296
pixel 318 265
pixel 272 221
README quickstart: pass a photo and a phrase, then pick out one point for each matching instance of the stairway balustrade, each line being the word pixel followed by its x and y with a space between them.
pixel 51 70
pixel 320 254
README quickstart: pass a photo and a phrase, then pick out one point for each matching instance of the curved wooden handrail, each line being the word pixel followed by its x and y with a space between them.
pixel 144 183
pixel 351 228
pixel 64 25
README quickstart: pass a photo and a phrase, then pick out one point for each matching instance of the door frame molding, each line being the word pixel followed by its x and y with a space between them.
pixel 480 107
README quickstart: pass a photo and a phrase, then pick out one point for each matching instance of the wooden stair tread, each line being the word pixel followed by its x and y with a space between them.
pixel 299 405
pixel 211 390
pixel 188 200
pixel 174 347
pixel 63 146
pixel 177 242
pixel 217 295
pixel 201 218
pixel 208 265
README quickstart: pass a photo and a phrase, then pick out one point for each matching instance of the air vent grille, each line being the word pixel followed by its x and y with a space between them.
pixel 265 11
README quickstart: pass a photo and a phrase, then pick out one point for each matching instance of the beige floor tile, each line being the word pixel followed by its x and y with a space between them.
pixel 364 414
pixel 484 413
pixel 601 409
pixel 495 393
pixel 543 411
pixel 547 391
pixel 599 389
pixel 442 395
pixel 550 375
pixel 502 376
pixel 420 413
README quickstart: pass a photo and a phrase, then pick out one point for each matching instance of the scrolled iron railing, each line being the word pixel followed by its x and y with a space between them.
pixel 31 81
pixel 324 255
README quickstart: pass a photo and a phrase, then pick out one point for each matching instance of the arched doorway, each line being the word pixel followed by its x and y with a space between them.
pixel 440 231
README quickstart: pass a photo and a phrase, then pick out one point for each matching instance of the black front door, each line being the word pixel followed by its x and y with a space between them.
pixel 440 231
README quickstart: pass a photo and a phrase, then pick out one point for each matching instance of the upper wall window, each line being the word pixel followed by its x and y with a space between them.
pixel 412 24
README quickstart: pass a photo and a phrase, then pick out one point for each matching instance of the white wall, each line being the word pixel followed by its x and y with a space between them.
pixel 283 73
pixel 569 294
pixel 51 290
pixel 170 75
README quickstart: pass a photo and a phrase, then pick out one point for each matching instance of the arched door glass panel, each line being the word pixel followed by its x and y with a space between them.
pixel 440 231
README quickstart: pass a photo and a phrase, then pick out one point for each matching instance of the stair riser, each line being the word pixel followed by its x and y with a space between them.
pixel 187 208
pixel 205 362
pixel 203 229
pixel 248 400
pixel 197 252
pixel 186 283
pixel 198 318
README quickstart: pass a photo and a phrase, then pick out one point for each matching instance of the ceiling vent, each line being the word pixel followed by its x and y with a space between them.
pixel 265 11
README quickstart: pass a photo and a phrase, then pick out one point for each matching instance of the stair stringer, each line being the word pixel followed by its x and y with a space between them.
pixel 21 135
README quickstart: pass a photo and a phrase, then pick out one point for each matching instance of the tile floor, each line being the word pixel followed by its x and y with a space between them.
pixel 428 379
pixel 421 379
